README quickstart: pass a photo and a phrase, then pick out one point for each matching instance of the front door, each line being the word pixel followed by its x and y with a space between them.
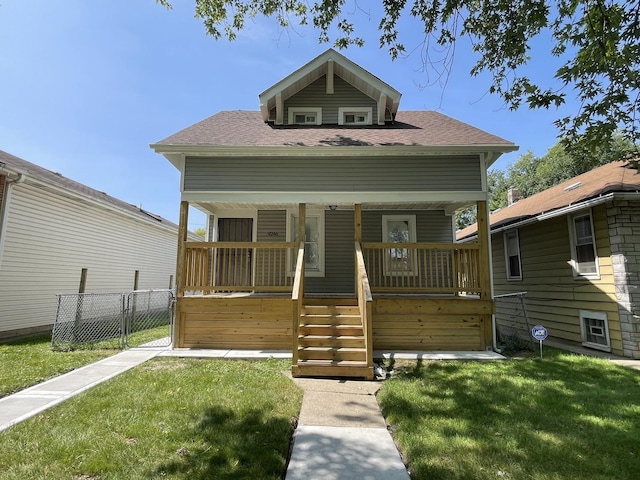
pixel 233 265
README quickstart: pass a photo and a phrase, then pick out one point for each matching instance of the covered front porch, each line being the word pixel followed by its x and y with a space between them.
pixel 405 296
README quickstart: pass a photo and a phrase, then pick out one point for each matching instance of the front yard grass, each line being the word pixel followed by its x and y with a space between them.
pixel 568 417
pixel 24 363
pixel 168 418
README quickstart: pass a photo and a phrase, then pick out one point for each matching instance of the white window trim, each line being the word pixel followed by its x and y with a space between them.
pixel 506 255
pixel 584 314
pixel 294 110
pixel 367 111
pixel 413 271
pixel 321 242
pixel 572 239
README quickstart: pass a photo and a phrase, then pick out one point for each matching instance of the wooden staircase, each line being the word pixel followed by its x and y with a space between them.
pixel 331 340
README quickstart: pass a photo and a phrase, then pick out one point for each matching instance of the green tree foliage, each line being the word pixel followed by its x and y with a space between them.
pixel 498 185
pixel 597 43
pixel 200 231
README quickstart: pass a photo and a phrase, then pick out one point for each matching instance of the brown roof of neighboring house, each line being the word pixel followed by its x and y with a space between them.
pixel 55 179
pixel 411 128
pixel 612 177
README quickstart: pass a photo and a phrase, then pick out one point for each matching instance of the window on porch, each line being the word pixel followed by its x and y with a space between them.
pixel 314 241
pixel 399 229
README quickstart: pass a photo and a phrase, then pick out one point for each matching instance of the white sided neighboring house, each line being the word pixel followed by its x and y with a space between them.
pixel 52 227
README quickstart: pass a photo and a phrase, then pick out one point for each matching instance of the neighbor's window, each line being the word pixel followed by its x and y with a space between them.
pixel 583 246
pixel 595 330
pixel 512 255
pixel 399 229
pixel 354 115
pixel 305 116
pixel 314 242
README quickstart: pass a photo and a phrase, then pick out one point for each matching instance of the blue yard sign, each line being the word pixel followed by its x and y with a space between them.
pixel 539 333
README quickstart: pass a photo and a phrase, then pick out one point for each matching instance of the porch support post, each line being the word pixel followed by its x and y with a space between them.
pixel 357 236
pixel 357 222
pixel 485 269
pixel 302 222
pixel 182 238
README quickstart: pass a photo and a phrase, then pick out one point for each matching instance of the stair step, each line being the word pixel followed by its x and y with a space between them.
pixel 331 341
pixel 332 368
pixel 330 319
pixel 332 353
pixel 330 310
pixel 330 330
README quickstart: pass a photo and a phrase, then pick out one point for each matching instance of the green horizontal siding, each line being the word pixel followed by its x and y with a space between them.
pixel 333 174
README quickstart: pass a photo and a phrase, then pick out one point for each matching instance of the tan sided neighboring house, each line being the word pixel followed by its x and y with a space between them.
pixel 52 227
pixel 331 228
pixel 575 249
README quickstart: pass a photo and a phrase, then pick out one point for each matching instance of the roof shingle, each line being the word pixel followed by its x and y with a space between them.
pixel 613 177
pixel 243 128
pixel 55 179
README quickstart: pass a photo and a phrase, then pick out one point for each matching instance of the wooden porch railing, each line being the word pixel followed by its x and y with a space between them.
pixel 439 268
pixel 238 267
pixel 365 303
pixel 297 298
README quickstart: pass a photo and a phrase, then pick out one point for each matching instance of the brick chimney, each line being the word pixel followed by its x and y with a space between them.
pixel 513 195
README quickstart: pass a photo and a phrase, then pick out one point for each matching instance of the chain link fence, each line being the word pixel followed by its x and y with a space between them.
pixel 113 320
pixel 148 314
pixel 512 320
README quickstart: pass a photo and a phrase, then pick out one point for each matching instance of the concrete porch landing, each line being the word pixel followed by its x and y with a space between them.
pixel 408 355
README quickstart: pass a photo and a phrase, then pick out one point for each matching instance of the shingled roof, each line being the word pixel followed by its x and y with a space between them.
pixel 612 177
pixel 243 128
pixel 49 178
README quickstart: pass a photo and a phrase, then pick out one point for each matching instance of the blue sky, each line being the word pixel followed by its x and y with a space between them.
pixel 86 86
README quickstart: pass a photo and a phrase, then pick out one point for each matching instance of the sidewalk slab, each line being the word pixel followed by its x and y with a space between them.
pixel 339 453
pixel 225 353
pixel 340 410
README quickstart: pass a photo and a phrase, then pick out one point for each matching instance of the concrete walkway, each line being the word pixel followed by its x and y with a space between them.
pixel 341 434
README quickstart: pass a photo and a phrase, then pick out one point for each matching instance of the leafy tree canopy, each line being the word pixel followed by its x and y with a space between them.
pixel 597 42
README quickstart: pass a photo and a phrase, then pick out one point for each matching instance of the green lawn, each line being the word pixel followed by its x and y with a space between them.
pixel 168 418
pixel 568 417
pixel 26 362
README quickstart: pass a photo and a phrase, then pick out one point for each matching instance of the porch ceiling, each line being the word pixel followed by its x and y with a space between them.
pixel 449 207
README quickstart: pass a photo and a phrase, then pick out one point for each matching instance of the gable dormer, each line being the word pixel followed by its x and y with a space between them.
pixel 330 90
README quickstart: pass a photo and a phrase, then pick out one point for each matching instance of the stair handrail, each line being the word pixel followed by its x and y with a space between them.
pixel 365 303
pixel 297 296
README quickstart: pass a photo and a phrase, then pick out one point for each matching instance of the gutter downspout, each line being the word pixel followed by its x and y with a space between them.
pixel 4 205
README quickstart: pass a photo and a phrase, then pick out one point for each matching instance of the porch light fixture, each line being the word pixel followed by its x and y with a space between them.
pixel 333 208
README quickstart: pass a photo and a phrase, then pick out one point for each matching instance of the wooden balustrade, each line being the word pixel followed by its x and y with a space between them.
pixel 365 303
pixel 238 267
pixel 438 268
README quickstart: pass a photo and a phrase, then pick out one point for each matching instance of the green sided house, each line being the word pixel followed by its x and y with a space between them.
pixel 575 250
pixel 331 228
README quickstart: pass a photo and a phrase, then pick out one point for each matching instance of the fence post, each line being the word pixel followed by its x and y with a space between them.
pixel 78 319
pixel 123 328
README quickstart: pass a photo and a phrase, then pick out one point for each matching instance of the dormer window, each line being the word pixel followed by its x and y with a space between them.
pixel 354 115
pixel 305 116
